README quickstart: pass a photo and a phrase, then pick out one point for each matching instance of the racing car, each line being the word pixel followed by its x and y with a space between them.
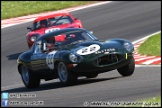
pixel 73 52
pixel 52 22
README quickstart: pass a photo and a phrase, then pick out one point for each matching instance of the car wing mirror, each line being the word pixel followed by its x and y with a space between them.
pixel 29 28
pixel 44 47
pixel 75 18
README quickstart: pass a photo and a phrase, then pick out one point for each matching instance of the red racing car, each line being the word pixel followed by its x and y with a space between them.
pixel 49 23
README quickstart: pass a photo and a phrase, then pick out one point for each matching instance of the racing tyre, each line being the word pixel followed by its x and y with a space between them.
pixel 128 69
pixel 66 77
pixel 92 76
pixel 29 80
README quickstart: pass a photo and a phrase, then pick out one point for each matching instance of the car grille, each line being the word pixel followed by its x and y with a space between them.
pixel 108 59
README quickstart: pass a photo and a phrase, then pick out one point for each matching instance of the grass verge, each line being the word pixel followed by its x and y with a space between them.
pixel 151 47
pixel 11 9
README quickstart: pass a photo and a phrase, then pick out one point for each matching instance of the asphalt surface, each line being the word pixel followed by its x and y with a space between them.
pixel 129 20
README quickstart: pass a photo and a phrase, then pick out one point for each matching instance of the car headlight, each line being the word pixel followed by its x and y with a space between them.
pixel 73 58
pixel 128 46
pixel 33 38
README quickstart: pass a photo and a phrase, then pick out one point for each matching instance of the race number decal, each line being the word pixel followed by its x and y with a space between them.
pixel 51 30
pixel 50 59
pixel 88 50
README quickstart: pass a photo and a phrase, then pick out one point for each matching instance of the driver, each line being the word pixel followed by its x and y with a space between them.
pixel 50 44
pixel 43 23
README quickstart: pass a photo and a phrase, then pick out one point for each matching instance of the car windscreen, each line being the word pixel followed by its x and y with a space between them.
pixel 52 21
pixel 74 37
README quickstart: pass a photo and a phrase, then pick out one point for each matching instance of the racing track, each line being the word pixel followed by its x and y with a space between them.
pixel 129 20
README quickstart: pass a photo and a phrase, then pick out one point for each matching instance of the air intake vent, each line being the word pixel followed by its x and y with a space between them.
pixel 108 59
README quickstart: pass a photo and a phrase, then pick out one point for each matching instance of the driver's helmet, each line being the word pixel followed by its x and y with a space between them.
pixel 50 21
pixel 50 43
pixel 69 36
pixel 43 23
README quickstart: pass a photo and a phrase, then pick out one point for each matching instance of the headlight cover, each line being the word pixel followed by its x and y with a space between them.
pixel 128 46
pixel 73 58
pixel 33 38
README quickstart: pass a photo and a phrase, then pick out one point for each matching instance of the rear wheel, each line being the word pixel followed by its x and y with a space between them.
pixel 128 69
pixel 29 80
pixel 66 77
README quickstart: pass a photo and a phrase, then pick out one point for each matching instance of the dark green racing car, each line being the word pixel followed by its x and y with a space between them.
pixel 69 53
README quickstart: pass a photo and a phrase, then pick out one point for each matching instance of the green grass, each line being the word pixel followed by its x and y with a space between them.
pixel 11 9
pixel 151 47
pixel 149 102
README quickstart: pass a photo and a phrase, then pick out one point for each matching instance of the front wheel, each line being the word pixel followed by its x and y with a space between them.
pixel 65 76
pixel 29 80
pixel 128 69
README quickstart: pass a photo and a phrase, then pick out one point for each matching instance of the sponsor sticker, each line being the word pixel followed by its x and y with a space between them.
pixel 105 51
pixel 51 30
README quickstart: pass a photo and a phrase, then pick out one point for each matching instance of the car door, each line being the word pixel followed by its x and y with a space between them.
pixel 38 59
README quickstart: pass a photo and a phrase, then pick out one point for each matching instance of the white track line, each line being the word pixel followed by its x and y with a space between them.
pixel 151 61
pixel 146 37
pixel 145 58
